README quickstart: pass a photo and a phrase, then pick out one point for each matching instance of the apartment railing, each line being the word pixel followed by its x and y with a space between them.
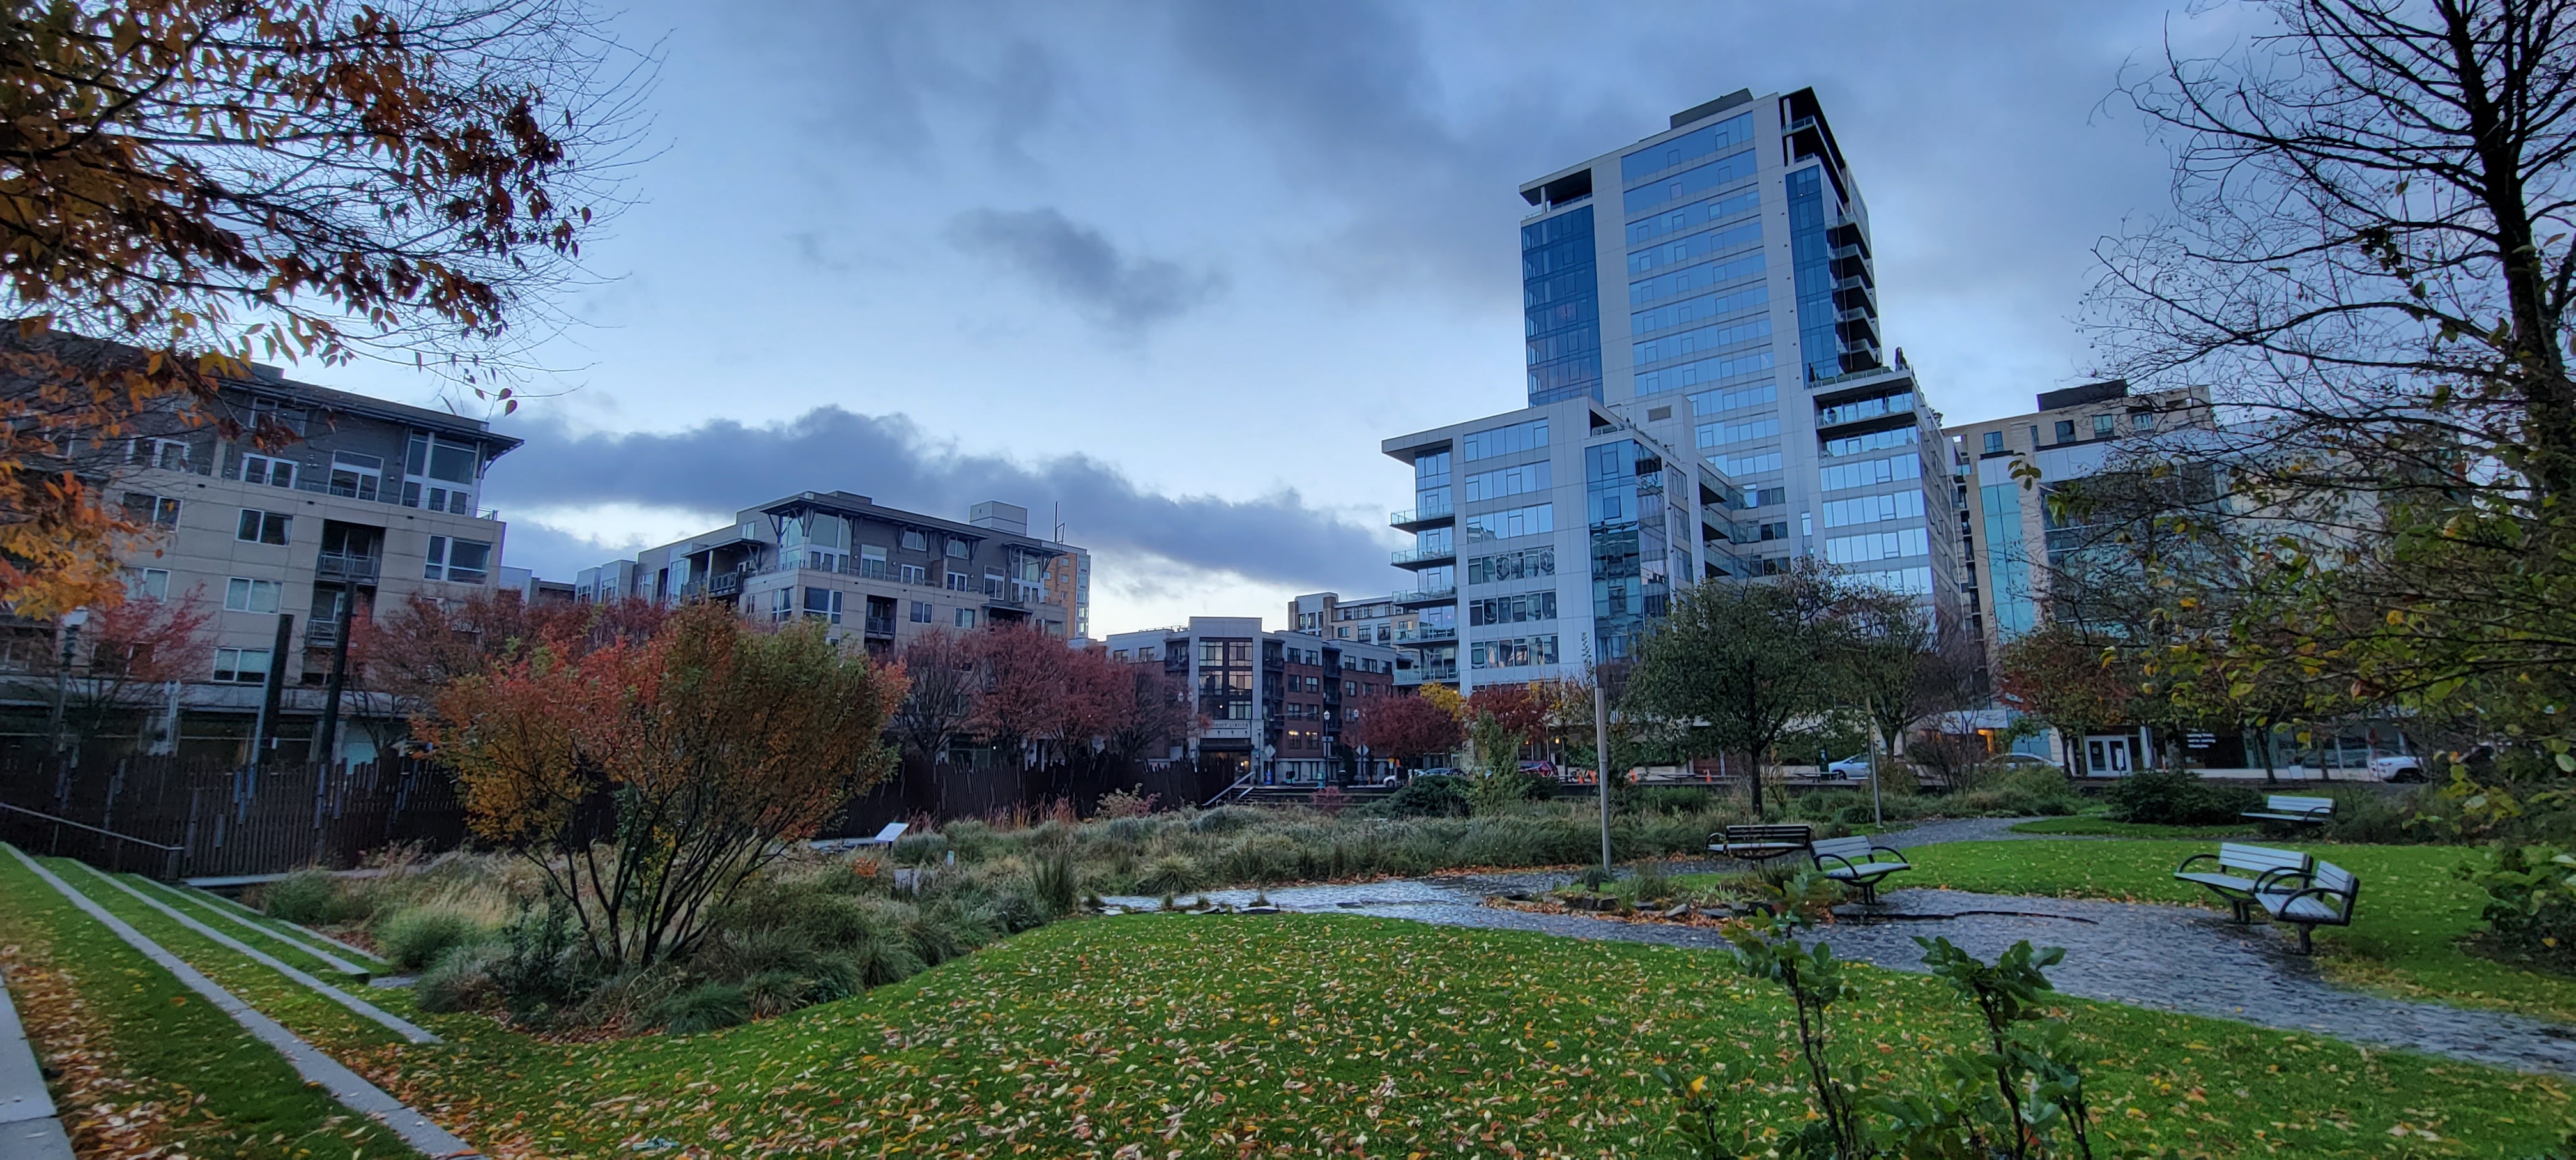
pixel 1411 516
pixel 1421 556
pixel 347 566
pixel 1426 595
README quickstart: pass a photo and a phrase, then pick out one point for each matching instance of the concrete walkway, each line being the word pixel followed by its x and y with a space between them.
pixel 29 1127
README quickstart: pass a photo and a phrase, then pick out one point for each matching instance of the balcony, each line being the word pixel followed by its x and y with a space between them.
pixel 880 626
pixel 724 584
pixel 322 633
pixel 1421 596
pixel 1414 519
pixel 1422 557
pixel 1432 633
pixel 347 568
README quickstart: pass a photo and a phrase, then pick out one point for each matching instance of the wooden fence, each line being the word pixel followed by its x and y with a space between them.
pixel 163 816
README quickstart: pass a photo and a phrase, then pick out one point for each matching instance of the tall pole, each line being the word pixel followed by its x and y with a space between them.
pixel 270 691
pixel 1601 758
pixel 327 734
pixel 1877 814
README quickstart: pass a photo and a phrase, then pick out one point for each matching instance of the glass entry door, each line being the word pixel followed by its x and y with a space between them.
pixel 2107 756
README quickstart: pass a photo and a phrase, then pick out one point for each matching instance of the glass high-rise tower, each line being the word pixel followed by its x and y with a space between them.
pixel 1714 284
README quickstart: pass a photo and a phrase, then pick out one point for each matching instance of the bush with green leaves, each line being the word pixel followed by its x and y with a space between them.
pixel 2531 902
pixel 2177 797
pixel 705 1007
pixel 1438 796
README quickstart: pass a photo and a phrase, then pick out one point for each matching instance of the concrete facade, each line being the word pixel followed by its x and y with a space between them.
pixel 371 503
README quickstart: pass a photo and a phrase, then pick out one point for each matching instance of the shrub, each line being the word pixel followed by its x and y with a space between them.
pixel 1654 882
pixel 737 955
pixel 1330 801
pixel 543 967
pixel 461 980
pixel 1225 820
pixel 309 897
pixel 1429 797
pixel 1670 799
pixel 2363 815
pixel 919 849
pixel 1126 803
pixel 1503 792
pixel 1051 880
pixel 773 993
pixel 2531 902
pixel 2177 798
pixel 415 936
pixel 1169 874
pixel 705 1007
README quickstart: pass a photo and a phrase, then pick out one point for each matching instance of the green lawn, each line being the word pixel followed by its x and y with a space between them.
pixel 1227 1035
pixel 170 1048
pixel 2091 825
pixel 2412 910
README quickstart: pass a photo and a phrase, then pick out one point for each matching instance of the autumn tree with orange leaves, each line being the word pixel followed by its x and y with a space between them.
pixel 709 747
pixel 197 183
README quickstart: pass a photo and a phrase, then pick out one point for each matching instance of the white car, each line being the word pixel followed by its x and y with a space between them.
pixel 2397 767
pixel 1849 769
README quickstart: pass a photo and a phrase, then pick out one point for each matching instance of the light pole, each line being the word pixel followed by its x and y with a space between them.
pixel 1601 759
pixel 72 622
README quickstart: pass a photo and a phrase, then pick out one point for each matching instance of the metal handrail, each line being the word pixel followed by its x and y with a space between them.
pixel 171 855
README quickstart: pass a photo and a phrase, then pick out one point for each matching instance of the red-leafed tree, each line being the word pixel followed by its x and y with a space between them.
pixel 1024 704
pixel 1521 712
pixel 1158 713
pixel 124 660
pixel 2059 674
pixel 1407 728
pixel 401 659
pixel 717 745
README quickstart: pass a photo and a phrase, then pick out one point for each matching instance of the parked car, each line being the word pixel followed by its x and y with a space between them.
pixel 2397 767
pixel 1849 769
pixel 2012 761
pixel 1435 771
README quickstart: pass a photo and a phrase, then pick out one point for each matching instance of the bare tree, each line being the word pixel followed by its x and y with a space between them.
pixel 943 690
pixel 2370 262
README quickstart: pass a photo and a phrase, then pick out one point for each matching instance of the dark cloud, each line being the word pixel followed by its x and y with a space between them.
pixel 893 77
pixel 1075 264
pixel 724 466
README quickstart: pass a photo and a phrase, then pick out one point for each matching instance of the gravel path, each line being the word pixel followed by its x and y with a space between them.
pixel 2170 958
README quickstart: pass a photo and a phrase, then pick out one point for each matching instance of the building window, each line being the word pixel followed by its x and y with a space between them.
pixel 459 561
pixel 267 469
pixel 151 510
pixel 921 612
pixel 2104 425
pixel 965 618
pixel 2143 421
pixel 241 595
pixel 1994 441
pixel 916 541
pixel 259 527
pixel 147 583
pixel 823 603
pixel 167 454
pixel 2066 430
pixel 958 549
pixel 913 574
pixel 960 582
pixel 241 666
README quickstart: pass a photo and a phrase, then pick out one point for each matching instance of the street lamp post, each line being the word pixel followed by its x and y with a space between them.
pixel 1601 760
pixel 72 622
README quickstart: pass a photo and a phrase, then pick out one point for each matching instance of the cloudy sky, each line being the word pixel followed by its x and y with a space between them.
pixel 1178 268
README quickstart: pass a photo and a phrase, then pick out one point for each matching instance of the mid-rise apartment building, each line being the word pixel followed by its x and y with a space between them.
pixel 2004 537
pixel 879 573
pixel 366 503
pixel 1547 537
pixel 1378 620
pixel 1277 707
pixel 1714 285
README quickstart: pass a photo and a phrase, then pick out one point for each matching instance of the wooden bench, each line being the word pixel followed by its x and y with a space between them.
pixel 2238 871
pixel 2320 897
pixel 1856 861
pixel 2297 811
pixel 884 837
pixel 1760 843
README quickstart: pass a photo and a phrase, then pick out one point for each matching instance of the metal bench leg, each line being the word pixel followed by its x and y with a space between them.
pixel 2306 930
pixel 2242 907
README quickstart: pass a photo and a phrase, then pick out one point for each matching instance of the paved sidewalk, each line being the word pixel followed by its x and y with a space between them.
pixel 29 1128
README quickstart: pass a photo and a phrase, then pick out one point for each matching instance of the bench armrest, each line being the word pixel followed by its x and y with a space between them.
pixel 1848 864
pixel 2343 905
pixel 2186 863
pixel 1899 855
pixel 2271 881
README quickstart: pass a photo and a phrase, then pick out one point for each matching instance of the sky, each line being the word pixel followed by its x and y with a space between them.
pixel 1166 275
